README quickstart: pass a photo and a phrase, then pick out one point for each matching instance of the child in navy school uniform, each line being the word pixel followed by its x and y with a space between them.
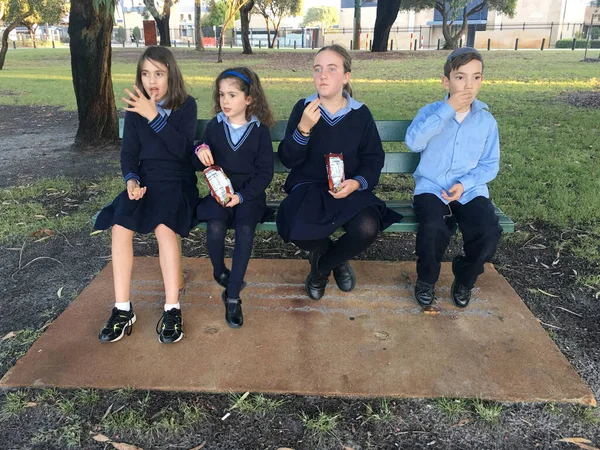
pixel 161 192
pixel 331 121
pixel 458 141
pixel 238 141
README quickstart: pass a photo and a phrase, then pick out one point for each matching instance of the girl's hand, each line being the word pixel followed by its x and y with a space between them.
pixel 205 155
pixel 454 193
pixel 138 103
pixel 310 116
pixel 134 191
pixel 347 188
pixel 234 201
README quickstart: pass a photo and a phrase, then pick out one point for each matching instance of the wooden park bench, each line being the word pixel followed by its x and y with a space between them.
pixel 395 163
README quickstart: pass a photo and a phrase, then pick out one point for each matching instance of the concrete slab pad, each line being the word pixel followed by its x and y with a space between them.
pixel 374 341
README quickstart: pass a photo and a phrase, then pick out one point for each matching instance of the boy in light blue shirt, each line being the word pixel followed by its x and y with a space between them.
pixel 458 141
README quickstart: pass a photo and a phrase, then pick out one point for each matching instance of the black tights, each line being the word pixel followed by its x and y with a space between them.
pixel 244 240
pixel 361 232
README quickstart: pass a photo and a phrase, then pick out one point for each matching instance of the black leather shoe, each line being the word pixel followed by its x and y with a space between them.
pixel 316 281
pixel 424 293
pixel 223 279
pixel 233 310
pixel 344 276
pixel 461 295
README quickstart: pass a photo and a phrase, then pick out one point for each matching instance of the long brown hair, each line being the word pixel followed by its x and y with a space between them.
pixel 259 105
pixel 176 92
pixel 346 58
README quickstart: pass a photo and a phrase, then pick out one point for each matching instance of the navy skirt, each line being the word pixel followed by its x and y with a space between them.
pixel 310 212
pixel 254 211
pixel 171 203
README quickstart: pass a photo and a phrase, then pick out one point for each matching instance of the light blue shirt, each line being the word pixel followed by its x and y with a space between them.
pixel 238 132
pixel 452 152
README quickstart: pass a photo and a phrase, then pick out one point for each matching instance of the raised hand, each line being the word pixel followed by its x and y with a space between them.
pixel 310 116
pixel 138 103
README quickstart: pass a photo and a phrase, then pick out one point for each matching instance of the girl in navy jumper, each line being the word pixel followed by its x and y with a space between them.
pixel 161 192
pixel 238 141
pixel 331 121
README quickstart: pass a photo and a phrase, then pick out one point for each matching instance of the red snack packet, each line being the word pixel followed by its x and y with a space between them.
pixel 335 170
pixel 220 185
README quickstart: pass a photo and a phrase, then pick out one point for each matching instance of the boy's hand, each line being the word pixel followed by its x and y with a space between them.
pixel 205 155
pixel 310 116
pixel 347 187
pixel 461 101
pixel 234 201
pixel 454 193
pixel 134 191
pixel 138 103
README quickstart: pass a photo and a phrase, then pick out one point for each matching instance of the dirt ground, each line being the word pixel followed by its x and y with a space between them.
pixel 29 300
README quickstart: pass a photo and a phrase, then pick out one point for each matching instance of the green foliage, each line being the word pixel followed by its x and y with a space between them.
pixel 217 13
pixel 323 16
pixel 29 12
pixel 579 43
pixel 121 35
pixel 137 33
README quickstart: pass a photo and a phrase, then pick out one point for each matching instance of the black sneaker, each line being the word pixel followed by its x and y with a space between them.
pixel 461 295
pixel 169 327
pixel 223 279
pixel 119 323
pixel 424 293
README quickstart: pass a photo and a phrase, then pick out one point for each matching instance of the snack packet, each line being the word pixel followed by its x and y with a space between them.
pixel 220 185
pixel 335 170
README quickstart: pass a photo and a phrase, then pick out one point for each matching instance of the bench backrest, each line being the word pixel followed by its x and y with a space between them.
pixel 389 131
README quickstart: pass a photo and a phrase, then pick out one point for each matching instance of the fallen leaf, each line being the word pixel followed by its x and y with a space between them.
pixel 43 232
pixel 39 216
pixel 285 448
pixel 42 239
pixel 579 442
pixel 30 404
pixel 8 336
pixel 101 438
pixel 242 398
pixel 462 422
pixel 122 446
pixel 546 293
pixel 199 447
pixel 432 310
pixel 96 232
pixel 59 292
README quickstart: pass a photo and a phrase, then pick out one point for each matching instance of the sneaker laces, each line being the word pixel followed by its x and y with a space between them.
pixel 115 317
pixel 169 319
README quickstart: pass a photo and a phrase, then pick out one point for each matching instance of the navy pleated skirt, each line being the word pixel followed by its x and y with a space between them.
pixel 310 212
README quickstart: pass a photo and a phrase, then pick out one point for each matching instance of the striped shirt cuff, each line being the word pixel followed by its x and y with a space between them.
pixel 363 183
pixel 302 140
pixel 131 175
pixel 240 196
pixel 158 123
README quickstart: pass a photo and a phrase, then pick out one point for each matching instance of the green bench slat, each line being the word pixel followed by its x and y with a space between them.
pixel 395 163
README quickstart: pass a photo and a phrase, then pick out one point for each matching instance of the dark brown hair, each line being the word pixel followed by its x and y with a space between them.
pixel 460 61
pixel 346 58
pixel 176 92
pixel 259 105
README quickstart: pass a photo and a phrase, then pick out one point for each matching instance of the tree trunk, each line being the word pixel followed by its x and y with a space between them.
pixel 245 22
pixel 387 12
pixel 4 49
pixel 198 31
pixel 162 23
pixel 268 31
pixel 90 32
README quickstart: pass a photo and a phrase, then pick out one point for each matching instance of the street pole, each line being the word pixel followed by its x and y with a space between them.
pixel 356 40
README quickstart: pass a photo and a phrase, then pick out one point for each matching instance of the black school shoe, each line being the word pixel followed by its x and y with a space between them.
pixel 169 326
pixel 223 279
pixel 461 295
pixel 344 276
pixel 316 282
pixel 233 310
pixel 119 323
pixel 424 293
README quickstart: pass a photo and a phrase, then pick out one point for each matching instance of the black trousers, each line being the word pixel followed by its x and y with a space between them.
pixel 438 222
pixel 361 232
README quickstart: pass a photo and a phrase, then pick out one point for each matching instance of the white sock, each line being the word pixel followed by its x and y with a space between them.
pixel 169 306
pixel 124 306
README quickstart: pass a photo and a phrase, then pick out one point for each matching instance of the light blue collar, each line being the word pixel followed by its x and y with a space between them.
pixel 221 117
pixel 162 111
pixel 352 104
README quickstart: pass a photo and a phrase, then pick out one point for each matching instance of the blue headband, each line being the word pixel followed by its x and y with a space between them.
pixel 237 74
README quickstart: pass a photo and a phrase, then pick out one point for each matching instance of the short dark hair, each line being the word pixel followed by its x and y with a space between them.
pixel 461 60
pixel 176 92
